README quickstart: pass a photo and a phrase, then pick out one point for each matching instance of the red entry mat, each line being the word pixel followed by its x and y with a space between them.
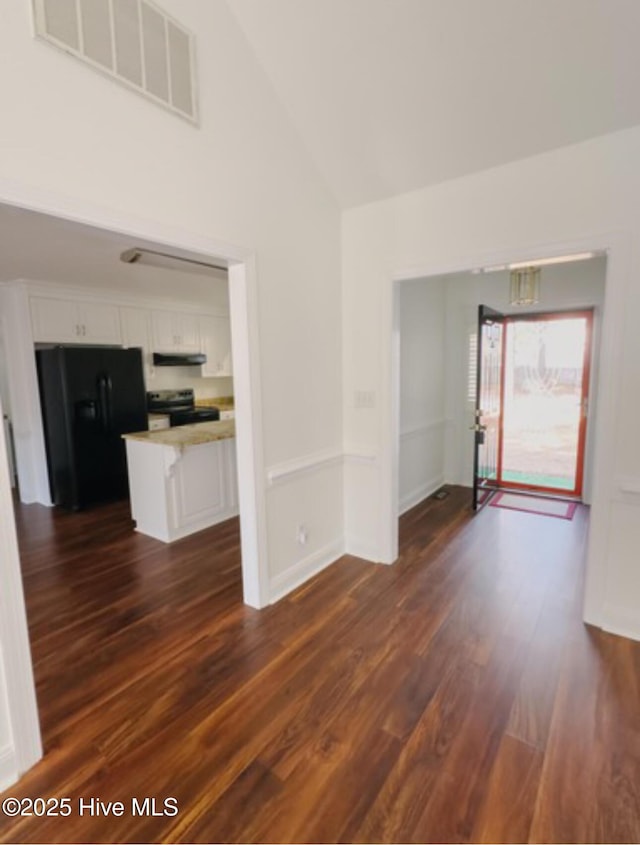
pixel 534 504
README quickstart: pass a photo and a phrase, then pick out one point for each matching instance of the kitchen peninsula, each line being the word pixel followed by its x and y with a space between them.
pixel 182 479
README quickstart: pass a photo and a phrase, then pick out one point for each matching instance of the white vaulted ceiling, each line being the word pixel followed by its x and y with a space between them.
pixel 394 95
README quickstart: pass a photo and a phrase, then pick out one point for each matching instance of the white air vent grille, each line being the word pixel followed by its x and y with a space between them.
pixel 133 41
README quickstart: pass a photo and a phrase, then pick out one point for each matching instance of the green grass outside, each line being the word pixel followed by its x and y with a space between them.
pixel 538 479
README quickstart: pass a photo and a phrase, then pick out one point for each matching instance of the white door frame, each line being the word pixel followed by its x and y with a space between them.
pixel 617 246
pixel 14 643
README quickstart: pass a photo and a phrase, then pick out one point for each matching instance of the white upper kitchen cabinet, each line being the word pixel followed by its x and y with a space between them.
pixel 136 331
pixel 215 337
pixel 175 332
pixel 69 321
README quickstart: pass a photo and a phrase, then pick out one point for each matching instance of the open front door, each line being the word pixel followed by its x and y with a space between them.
pixel 486 430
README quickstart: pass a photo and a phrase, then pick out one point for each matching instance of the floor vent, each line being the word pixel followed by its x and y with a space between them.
pixel 133 41
pixel 440 494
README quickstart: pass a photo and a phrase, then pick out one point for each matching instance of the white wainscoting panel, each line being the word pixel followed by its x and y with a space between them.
pixel 8 767
pixel 621 615
pixel 303 514
pixel 422 462
pixel 305 569
pixel 361 478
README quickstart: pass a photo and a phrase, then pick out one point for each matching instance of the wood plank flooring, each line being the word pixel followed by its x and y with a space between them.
pixel 453 697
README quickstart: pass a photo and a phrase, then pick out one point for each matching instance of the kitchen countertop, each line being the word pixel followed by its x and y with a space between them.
pixel 187 435
pixel 225 403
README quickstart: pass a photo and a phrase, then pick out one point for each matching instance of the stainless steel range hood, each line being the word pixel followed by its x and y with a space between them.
pixel 179 359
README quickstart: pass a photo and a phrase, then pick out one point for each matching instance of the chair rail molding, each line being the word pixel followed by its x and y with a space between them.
pixel 423 428
pixel 279 473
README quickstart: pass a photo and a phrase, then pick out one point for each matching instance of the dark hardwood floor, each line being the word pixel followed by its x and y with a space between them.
pixel 453 697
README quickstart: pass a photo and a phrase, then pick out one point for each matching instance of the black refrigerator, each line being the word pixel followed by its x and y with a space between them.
pixel 90 396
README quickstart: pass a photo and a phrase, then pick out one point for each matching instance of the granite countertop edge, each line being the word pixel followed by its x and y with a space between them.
pixel 195 434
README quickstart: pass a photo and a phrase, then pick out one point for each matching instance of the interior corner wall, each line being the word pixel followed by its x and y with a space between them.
pixel 422 389
pixel 584 196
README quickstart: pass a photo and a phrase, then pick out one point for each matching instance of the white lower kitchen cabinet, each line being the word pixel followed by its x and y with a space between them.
pixel 178 490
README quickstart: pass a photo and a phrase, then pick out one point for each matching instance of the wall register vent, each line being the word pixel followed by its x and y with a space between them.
pixel 133 41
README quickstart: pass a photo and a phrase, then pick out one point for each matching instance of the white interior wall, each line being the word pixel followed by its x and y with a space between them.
pixel 181 378
pixel 4 376
pixel 20 744
pixel 4 392
pixel 422 389
pixel 563 286
pixel 26 416
pixel 87 147
pixel 7 764
pixel 581 197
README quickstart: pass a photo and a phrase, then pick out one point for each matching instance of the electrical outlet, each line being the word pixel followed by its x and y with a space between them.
pixel 302 534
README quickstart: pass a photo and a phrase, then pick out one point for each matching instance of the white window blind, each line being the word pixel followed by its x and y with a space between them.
pixel 134 41
pixel 472 367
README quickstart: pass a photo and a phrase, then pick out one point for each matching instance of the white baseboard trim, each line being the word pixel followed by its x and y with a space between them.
pixel 8 768
pixel 295 575
pixel 361 548
pixel 413 498
pixel 151 530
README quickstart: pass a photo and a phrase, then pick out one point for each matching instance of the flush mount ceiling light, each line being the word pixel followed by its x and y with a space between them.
pixel 537 262
pixel 557 259
pixel 164 260
pixel 525 286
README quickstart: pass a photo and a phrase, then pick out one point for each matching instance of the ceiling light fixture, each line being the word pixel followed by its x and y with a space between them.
pixel 525 286
pixel 537 262
pixel 558 259
pixel 495 268
pixel 166 261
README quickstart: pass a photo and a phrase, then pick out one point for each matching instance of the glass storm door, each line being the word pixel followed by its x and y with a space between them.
pixel 546 381
pixel 488 411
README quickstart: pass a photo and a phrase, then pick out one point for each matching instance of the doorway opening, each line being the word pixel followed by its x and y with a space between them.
pixel 82 252
pixel 545 397
pixel 532 398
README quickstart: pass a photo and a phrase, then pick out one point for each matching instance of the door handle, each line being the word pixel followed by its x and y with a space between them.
pixel 104 398
pixel 477 427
